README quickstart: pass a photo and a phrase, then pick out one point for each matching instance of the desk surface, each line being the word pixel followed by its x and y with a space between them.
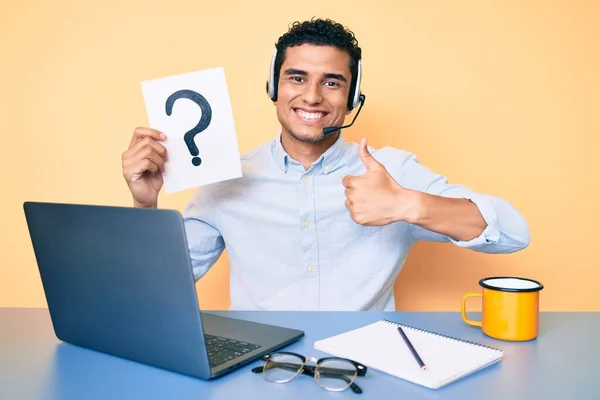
pixel 560 364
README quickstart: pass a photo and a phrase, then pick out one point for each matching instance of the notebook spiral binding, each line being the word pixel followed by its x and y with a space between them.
pixel 439 334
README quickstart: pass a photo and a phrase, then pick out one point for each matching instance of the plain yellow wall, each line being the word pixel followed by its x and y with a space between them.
pixel 500 96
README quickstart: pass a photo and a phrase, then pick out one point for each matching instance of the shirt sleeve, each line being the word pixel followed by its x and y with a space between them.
pixel 506 230
pixel 205 242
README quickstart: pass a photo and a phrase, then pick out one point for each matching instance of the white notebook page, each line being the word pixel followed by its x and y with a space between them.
pixel 380 346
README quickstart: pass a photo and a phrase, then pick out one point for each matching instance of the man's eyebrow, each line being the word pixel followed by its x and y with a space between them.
pixel 339 77
pixel 293 71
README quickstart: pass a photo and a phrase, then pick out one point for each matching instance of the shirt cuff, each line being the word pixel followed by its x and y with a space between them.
pixel 491 233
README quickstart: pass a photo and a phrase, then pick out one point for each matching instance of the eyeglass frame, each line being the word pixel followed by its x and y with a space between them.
pixel 361 370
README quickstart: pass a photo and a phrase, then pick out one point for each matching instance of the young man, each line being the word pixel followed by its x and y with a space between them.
pixel 316 223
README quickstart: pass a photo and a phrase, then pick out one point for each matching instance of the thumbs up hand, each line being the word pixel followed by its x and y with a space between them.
pixel 375 198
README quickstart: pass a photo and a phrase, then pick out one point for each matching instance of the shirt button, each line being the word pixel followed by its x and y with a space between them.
pixel 306 224
pixel 326 168
pixel 305 180
pixel 310 268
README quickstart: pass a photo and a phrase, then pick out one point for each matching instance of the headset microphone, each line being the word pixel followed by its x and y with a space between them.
pixel 332 129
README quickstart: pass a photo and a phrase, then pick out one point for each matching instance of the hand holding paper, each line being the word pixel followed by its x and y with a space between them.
pixel 193 110
pixel 143 163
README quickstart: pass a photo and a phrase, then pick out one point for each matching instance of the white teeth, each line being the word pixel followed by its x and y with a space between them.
pixel 308 115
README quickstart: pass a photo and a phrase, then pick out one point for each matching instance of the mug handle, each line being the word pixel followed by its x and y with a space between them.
pixel 464 312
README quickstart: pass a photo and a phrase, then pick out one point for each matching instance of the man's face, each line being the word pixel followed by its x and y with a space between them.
pixel 314 82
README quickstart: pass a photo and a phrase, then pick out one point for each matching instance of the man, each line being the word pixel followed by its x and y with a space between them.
pixel 316 223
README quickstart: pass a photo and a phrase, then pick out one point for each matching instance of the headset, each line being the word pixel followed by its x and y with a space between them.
pixel 353 100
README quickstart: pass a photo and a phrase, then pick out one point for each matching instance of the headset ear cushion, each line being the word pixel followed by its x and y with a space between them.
pixel 271 84
pixel 355 99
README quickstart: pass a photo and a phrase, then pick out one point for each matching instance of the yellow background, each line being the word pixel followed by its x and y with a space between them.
pixel 501 96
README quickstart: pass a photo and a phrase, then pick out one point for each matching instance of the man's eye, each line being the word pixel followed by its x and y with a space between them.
pixel 332 84
pixel 297 78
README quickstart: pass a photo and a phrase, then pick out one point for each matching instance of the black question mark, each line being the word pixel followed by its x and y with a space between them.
pixel 202 124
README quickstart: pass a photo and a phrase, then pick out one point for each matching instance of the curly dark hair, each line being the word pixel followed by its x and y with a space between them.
pixel 320 32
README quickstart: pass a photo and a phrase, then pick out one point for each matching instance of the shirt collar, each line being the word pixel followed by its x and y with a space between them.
pixel 328 159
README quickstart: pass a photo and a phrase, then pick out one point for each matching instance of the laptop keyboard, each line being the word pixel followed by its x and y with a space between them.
pixel 220 349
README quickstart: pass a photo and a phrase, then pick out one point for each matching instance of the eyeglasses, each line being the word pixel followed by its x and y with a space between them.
pixel 331 373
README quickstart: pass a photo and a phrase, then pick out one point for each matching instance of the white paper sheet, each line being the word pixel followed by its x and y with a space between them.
pixel 209 152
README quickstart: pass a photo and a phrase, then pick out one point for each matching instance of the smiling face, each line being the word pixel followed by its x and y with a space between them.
pixel 314 83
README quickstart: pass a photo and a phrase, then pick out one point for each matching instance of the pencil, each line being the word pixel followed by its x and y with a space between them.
pixel 412 350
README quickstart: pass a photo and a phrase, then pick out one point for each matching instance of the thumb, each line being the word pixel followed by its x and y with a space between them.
pixel 367 159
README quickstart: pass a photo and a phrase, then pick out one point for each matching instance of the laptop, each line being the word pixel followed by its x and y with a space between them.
pixel 119 280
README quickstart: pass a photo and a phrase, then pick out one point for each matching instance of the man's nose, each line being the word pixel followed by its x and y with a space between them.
pixel 312 94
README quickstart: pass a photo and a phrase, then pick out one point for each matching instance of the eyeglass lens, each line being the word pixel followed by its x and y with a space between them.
pixel 282 367
pixel 335 374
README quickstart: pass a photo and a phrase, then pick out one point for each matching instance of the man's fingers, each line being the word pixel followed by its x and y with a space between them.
pixel 135 171
pixel 350 181
pixel 346 180
pixel 151 144
pixel 151 166
pixel 142 132
pixel 147 142
pixel 354 181
pixel 139 167
pixel 152 155
pixel 145 153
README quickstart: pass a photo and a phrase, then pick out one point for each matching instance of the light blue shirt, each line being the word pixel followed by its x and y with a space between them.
pixel 292 244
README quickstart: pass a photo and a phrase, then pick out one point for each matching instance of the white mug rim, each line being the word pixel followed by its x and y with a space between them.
pixel 485 284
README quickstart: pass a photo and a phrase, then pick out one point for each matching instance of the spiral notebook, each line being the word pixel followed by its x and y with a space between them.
pixel 380 346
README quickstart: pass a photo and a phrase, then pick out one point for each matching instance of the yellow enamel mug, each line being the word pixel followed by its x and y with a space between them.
pixel 510 308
